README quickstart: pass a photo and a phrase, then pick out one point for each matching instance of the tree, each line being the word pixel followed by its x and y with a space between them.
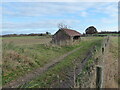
pixel 91 30
pixel 61 25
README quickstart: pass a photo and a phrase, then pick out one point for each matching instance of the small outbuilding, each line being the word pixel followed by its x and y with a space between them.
pixel 66 37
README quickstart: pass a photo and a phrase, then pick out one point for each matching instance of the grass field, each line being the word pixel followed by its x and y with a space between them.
pixel 27 40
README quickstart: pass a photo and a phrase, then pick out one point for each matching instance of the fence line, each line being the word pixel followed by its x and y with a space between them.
pixel 90 77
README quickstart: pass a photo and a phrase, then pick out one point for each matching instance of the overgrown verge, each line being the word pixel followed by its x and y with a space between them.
pixel 56 75
pixel 86 78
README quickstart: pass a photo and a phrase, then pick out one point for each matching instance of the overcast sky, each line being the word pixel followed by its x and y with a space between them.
pixel 40 17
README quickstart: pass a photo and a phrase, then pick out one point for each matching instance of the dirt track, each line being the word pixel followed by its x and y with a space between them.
pixel 30 76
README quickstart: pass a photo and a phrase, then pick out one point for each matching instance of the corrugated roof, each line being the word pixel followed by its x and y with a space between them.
pixel 71 32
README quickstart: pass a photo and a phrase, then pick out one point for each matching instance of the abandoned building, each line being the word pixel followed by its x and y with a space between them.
pixel 66 37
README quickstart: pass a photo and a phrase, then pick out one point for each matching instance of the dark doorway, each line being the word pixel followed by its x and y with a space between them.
pixel 76 37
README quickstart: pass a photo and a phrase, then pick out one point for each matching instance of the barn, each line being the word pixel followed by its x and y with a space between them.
pixel 66 37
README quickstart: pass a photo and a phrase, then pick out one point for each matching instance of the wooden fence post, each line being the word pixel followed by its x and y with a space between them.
pixel 99 77
pixel 102 50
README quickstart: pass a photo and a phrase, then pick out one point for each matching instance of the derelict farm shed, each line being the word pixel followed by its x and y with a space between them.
pixel 66 37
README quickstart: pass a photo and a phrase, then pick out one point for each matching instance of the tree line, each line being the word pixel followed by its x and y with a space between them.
pixel 31 34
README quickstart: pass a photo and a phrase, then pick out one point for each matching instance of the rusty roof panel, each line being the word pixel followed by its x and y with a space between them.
pixel 71 32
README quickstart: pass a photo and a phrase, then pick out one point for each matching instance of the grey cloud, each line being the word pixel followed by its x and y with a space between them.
pixel 58 9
